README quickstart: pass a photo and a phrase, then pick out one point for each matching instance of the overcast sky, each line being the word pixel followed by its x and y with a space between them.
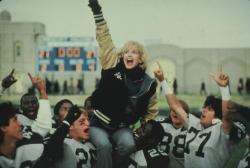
pixel 187 23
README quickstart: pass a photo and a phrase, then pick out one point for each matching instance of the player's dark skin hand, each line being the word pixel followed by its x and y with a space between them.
pixel 73 114
pixel 8 80
pixel 148 135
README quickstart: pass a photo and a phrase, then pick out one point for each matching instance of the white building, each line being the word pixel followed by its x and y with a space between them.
pixel 19 43
pixel 191 66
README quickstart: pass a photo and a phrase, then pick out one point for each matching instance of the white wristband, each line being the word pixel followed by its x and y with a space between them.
pixel 66 122
pixel 225 95
pixel 166 88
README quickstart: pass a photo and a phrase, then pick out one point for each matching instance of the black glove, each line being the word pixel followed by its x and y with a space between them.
pixel 95 7
pixel 8 80
pixel 73 114
pixel 148 135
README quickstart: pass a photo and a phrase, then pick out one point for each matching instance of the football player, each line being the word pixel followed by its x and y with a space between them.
pixel 22 150
pixel 79 143
pixel 239 115
pixel 36 114
pixel 64 153
pixel 208 139
pixel 79 150
pixel 146 139
pixel 245 161
pixel 173 142
pixel 61 109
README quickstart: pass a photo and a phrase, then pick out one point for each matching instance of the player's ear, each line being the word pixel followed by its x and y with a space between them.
pixel 3 129
pixel 71 127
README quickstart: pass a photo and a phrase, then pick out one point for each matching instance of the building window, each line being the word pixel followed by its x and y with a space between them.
pixel 60 67
pixel 43 54
pixel 18 49
pixel 90 54
pixel 78 67
pixel 61 52
pixel 43 68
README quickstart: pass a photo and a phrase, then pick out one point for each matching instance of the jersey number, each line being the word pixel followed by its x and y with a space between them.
pixel 205 137
pixel 154 153
pixel 83 157
pixel 179 144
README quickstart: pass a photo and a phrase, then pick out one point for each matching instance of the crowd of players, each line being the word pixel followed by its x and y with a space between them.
pixel 101 133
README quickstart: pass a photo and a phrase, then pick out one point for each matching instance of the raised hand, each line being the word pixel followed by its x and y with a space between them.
pixel 8 80
pixel 95 6
pixel 40 85
pixel 37 82
pixel 220 78
pixel 159 72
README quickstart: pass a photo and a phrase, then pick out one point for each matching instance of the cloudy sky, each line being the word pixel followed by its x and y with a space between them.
pixel 187 23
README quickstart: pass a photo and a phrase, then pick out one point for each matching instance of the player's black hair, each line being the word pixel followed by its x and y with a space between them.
pixel 216 105
pixel 24 95
pixel 59 104
pixel 7 111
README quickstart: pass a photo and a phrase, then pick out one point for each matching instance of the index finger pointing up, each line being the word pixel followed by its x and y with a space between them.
pixel 159 65
pixel 31 78
pixel 12 72
pixel 220 68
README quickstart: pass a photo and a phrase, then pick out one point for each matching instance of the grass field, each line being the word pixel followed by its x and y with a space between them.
pixel 194 101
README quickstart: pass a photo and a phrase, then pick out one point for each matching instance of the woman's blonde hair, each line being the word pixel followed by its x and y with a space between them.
pixel 140 48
